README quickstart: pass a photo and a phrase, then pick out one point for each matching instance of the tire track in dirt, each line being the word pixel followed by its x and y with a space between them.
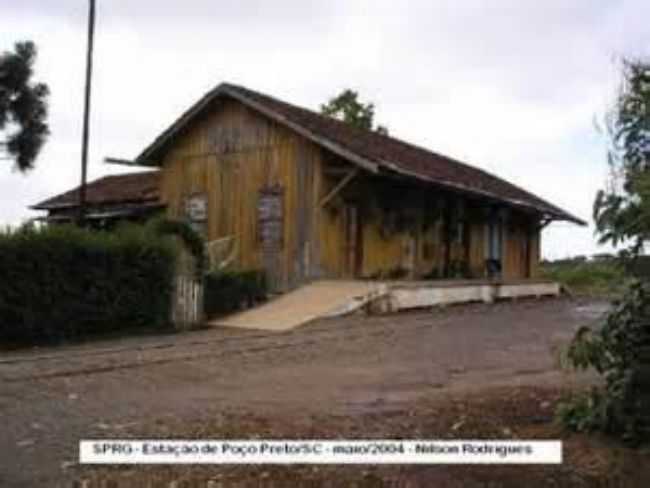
pixel 345 330
pixel 238 347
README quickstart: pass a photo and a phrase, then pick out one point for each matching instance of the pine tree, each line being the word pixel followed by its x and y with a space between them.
pixel 23 107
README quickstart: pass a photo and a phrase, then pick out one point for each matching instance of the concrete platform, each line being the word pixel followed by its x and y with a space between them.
pixel 331 298
pixel 409 295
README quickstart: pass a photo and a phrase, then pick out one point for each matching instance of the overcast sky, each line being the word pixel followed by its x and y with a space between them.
pixel 510 86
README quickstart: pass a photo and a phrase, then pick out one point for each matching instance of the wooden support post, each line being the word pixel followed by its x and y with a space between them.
pixel 339 186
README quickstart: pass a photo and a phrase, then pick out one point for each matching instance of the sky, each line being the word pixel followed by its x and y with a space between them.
pixel 514 87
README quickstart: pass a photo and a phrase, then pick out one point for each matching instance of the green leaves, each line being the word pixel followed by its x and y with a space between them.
pixel 586 350
pixel 63 282
pixel 622 211
pixel 583 413
pixel 23 105
pixel 191 239
pixel 619 353
pixel 347 108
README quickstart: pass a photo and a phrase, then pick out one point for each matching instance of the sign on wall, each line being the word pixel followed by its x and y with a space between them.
pixel 196 212
pixel 196 207
pixel 270 218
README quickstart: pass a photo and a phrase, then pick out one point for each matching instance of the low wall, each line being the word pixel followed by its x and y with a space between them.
pixel 528 290
pixel 404 296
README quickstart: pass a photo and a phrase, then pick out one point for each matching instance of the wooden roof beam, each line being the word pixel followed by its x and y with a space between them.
pixel 339 186
pixel 125 162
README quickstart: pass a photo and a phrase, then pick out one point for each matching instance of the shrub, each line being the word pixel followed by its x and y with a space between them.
pixel 62 283
pixel 191 240
pixel 620 353
pixel 584 412
pixel 227 291
pixel 638 266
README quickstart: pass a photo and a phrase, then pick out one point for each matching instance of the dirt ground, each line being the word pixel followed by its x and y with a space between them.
pixel 493 413
pixel 353 376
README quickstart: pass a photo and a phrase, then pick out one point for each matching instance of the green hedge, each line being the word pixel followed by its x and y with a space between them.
pixel 228 291
pixel 62 283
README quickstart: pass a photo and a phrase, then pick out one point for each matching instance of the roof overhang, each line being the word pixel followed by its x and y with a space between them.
pixel 106 213
pixel 558 215
pixel 124 205
pixel 53 206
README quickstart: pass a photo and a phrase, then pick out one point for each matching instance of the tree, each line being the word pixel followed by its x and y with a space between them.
pixel 622 210
pixel 619 350
pixel 23 106
pixel 347 108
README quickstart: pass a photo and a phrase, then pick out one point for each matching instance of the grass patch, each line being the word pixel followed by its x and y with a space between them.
pixel 602 279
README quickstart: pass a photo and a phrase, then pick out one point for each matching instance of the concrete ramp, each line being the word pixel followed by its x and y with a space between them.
pixel 315 300
pixel 330 298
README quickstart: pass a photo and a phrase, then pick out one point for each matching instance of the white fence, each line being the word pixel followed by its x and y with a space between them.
pixel 187 307
pixel 187 311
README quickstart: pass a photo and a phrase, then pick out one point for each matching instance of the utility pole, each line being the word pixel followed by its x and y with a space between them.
pixel 84 138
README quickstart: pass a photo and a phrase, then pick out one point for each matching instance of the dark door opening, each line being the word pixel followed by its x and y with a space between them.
pixel 353 252
pixel 494 260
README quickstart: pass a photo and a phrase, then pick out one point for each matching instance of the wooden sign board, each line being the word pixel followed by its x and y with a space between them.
pixel 270 215
pixel 196 208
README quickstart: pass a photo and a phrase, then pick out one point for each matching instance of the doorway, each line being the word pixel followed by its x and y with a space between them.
pixel 494 260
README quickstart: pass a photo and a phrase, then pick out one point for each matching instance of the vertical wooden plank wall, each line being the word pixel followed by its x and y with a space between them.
pixel 230 154
pixel 521 248
pixel 535 250
pixel 382 254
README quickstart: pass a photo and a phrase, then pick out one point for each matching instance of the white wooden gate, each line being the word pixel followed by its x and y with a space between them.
pixel 187 306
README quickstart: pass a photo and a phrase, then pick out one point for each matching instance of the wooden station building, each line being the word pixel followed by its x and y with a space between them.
pixel 306 197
